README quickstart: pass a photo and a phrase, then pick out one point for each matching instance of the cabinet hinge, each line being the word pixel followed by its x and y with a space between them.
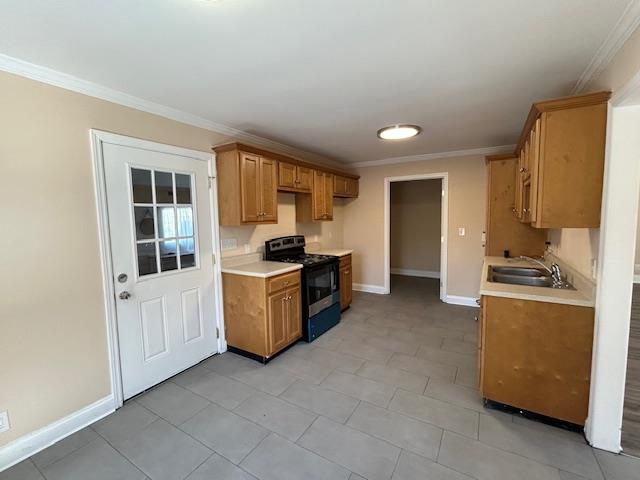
pixel 217 332
pixel 211 181
pixel 213 258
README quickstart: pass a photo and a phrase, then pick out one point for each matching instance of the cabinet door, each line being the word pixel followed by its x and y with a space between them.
pixel 286 175
pixel 303 178
pixel 518 185
pixel 328 196
pixel 339 185
pixel 294 317
pixel 318 196
pixel 352 187
pixel 345 287
pixel 268 190
pixel 278 313
pixel 534 162
pixel 250 190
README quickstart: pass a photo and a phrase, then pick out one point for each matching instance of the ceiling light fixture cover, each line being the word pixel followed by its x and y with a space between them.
pixel 399 132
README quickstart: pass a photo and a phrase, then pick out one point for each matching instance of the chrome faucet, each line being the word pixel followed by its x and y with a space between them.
pixel 556 274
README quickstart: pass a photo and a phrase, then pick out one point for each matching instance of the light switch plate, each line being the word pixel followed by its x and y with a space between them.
pixel 4 421
pixel 461 231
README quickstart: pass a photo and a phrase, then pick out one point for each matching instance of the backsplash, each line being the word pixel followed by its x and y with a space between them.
pixel 577 248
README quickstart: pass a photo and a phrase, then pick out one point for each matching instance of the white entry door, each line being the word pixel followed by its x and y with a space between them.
pixel 161 246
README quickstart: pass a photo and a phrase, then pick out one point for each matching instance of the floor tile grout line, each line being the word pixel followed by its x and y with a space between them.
pixel 40 469
pixel 122 454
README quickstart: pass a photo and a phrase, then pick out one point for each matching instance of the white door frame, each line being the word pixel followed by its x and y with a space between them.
pixel 98 138
pixel 444 222
pixel 616 258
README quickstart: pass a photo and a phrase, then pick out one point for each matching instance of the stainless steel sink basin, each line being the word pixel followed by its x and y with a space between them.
pixel 532 277
pixel 520 271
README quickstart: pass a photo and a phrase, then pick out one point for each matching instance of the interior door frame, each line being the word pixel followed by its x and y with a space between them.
pixel 444 225
pixel 98 138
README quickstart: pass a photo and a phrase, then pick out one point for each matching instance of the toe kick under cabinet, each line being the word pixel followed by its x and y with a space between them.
pixel 262 316
pixel 536 356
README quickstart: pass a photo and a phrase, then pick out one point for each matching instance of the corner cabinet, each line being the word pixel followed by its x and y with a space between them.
pixel 346 282
pixel 247 195
pixel 504 230
pixel 561 163
pixel 262 315
pixel 345 187
pixel 317 206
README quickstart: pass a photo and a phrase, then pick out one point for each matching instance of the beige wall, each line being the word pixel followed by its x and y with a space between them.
pixel 364 221
pixel 53 347
pixel 579 247
pixel 252 238
pixel 415 225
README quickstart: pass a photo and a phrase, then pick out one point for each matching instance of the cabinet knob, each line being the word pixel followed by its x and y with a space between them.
pixel 286 283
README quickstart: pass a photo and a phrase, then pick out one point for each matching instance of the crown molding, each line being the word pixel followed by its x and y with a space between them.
pixel 434 156
pixel 69 82
pixel 622 30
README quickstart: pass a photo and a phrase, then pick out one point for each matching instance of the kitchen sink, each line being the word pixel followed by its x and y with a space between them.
pixel 520 271
pixel 529 276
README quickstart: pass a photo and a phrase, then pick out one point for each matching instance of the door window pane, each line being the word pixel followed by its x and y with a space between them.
pixel 187 253
pixel 141 182
pixel 147 258
pixel 183 188
pixel 185 222
pixel 168 255
pixel 166 222
pixel 164 187
pixel 144 223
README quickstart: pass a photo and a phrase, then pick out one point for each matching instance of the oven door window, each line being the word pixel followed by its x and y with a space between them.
pixel 320 283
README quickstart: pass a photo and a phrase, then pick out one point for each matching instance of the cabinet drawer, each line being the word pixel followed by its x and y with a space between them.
pixel 283 281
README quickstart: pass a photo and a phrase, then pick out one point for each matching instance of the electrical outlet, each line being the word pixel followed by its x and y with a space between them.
pixel 229 243
pixel 4 421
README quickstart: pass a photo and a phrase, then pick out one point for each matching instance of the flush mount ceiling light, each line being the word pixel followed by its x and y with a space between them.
pixel 398 132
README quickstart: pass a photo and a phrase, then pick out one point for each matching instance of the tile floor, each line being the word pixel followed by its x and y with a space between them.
pixel 387 394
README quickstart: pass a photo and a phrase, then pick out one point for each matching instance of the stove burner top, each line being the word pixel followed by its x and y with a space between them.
pixel 307 259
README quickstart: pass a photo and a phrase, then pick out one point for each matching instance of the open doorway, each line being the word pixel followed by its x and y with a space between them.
pixel 416 232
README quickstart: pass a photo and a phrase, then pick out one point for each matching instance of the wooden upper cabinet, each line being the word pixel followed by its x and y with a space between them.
pixel 345 186
pixel 249 179
pixel 562 151
pixel 294 178
pixel 318 206
pixel 248 193
pixel 504 230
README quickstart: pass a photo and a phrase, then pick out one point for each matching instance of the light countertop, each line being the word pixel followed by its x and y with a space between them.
pixel 338 252
pixel 582 297
pixel 252 266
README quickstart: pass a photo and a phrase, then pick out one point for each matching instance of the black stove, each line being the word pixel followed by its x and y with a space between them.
pixel 320 283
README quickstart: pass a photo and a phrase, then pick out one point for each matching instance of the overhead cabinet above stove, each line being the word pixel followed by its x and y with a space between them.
pixel 250 178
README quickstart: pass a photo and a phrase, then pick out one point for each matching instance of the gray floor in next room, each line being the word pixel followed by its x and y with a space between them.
pixel 388 393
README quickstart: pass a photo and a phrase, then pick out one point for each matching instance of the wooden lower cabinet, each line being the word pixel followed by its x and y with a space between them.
pixel 346 282
pixel 536 356
pixel 262 315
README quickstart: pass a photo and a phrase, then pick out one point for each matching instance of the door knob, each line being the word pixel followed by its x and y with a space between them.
pixel 124 295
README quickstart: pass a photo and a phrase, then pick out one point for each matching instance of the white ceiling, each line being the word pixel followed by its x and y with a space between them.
pixel 325 75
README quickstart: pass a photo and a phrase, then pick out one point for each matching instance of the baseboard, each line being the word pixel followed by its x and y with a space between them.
pixel 407 272
pixel 457 300
pixel 30 444
pixel 362 287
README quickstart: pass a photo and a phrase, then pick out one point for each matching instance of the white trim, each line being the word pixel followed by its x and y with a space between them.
pixel 621 185
pixel 98 138
pixel 444 225
pixel 363 287
pixel 457 300
pixel 34 442
pixel 408 272
pixel 628 94
pixel 622 30
pixel 85 87
pixel 434 156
